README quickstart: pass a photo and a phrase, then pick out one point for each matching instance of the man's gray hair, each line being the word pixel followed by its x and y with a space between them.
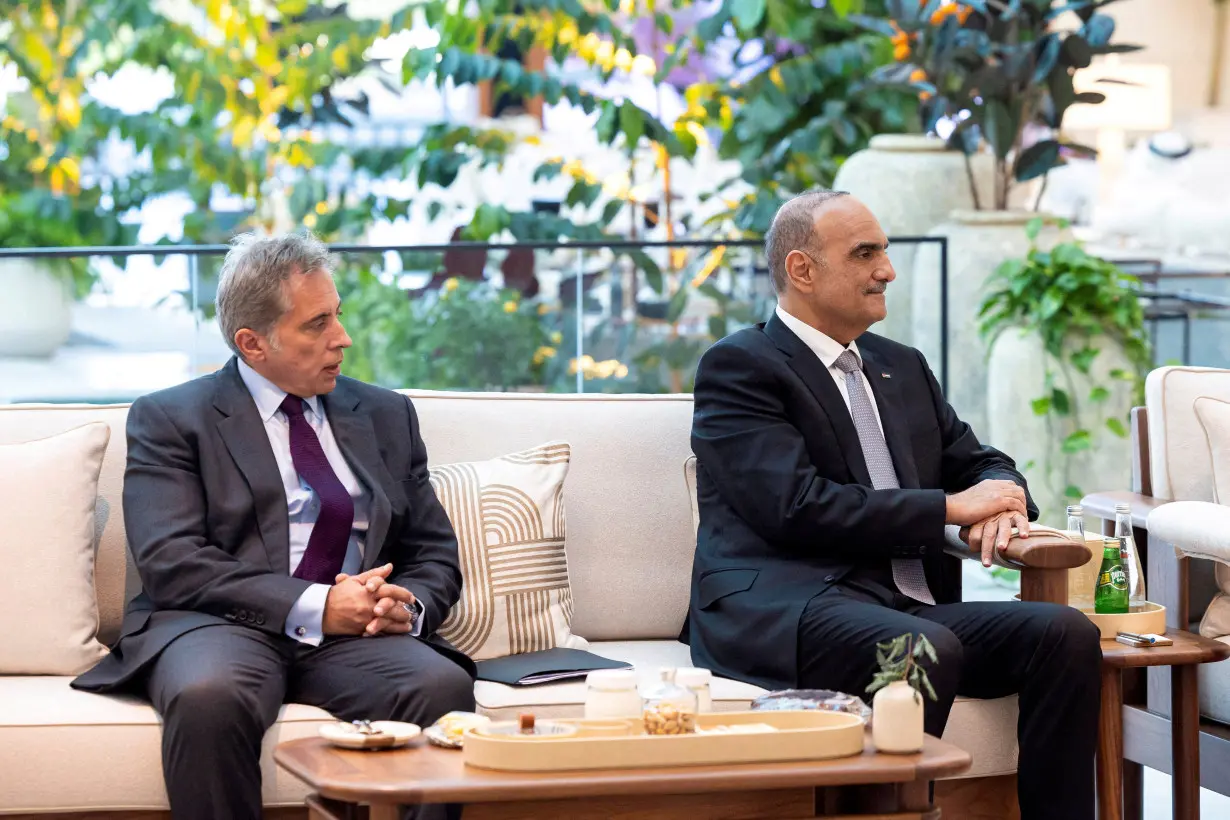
pixel 793 228
pixel 252 286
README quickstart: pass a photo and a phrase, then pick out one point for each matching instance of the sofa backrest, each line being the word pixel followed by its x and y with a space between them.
pixel 1180 464
pixel 630 534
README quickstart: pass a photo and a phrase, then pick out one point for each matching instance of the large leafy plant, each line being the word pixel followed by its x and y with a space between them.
pixel 999 69
pixel 1072 299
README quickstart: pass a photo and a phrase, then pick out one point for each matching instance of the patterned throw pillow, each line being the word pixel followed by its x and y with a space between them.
pixel 509 517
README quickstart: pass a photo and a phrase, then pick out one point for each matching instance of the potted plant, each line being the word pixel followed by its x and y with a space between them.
pixel 1068 357
pixel 999 74
pixel 41 289
pixel 897 708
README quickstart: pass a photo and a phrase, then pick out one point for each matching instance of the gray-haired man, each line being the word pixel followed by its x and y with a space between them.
pixel 285 555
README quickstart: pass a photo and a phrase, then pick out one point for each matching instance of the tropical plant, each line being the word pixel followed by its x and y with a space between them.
pixel 1071 299
pixel 31 222
pixel 1002 72
pixel 900 660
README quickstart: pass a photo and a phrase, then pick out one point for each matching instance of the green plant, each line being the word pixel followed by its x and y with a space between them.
pixel 25 223
pixel 998 68
pixel 1071 298
pixel 899 660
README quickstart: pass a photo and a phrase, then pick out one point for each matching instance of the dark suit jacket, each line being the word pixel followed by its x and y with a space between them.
pixel 207 518
pixel 786 504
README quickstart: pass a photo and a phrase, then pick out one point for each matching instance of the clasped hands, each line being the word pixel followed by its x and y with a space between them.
pixel 367 604
pixel 987 513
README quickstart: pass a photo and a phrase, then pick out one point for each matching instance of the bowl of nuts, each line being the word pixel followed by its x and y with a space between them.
pixel 670 709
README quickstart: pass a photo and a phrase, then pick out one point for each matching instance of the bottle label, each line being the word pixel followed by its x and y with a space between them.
pixel 1113 577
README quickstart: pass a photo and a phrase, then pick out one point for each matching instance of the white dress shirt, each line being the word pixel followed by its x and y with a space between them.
pixel 827 349
pixel 306 618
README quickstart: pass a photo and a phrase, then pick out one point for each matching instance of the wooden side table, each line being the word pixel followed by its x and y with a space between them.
pixel 1183 656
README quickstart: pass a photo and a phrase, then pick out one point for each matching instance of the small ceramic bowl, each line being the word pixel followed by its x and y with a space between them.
pixel 542 729
pixel 384 734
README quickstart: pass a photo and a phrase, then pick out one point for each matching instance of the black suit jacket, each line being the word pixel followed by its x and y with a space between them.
pixel 207 517
pixel 786 503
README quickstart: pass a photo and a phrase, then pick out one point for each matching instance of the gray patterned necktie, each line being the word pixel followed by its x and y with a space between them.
pixel 907 572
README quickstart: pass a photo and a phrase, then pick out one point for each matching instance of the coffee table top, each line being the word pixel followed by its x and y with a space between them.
pixel 427 774
pixel 1188 648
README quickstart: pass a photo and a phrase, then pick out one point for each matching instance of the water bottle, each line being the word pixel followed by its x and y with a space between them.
pixel 1131 559
pixel 1076 520
pixel 1080 591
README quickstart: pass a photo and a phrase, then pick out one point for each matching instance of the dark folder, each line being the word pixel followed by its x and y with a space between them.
pixel 548 666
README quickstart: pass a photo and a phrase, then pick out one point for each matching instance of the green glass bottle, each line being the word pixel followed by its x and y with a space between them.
pixel 1110 596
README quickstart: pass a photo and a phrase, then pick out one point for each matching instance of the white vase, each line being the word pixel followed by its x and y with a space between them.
pixel 40 318
pixel 911 182
pixel 897 719
pixel 1016 376
pixel 978 241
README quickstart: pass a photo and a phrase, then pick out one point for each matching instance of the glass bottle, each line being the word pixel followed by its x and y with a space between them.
pixel 1131 558
pixel 1076 519
pixel 699 682
pixel 1081 583
pixel 670 709
pixel 1110 597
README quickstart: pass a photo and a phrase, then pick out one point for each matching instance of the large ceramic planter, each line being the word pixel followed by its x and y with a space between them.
pixel 911 183
pixel 1016 376
pixel 38 318
pixel 978 241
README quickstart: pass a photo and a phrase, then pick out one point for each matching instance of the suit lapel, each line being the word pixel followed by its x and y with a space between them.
pixel 892 418
pixel 244 435
pixel 811 370
pixel 356 438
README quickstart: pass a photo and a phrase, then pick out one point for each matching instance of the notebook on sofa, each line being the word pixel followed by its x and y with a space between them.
pixel 547 666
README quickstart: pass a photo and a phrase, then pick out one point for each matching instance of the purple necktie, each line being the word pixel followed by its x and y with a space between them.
pixel 326 547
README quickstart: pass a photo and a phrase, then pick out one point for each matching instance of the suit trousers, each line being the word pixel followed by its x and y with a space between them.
pixel 220 687
pixel 1048 654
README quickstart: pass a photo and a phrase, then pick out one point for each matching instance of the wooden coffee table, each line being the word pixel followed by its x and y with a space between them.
pixel 886 787
pixel 1188 651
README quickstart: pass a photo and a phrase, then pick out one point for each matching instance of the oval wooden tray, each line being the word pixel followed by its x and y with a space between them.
pixel 801 735
pixel 1151 619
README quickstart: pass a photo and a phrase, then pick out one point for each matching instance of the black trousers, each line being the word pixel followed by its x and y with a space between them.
pixel 1048 654
pixel 219 688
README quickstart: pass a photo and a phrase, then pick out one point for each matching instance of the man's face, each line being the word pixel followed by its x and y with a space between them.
pixel 303 355
pixel 850 269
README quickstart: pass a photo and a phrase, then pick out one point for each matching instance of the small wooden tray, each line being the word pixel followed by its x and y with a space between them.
pixel 1150 619
pixel 801 735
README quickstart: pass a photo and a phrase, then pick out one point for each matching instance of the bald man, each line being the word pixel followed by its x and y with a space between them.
pixel 828 465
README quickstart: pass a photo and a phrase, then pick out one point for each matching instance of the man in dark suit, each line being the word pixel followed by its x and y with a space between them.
pixel 828 465
pixel 286 553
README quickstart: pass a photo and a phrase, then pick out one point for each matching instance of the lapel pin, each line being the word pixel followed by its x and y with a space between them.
pixel 886 375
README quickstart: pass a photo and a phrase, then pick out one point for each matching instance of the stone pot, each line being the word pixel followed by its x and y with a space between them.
pixel 911 182
pixel 978 241
pixel 41 318
pixel 897 719
pixel 1016 376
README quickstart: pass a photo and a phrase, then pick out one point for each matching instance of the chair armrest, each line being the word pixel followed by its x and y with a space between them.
pixel 1197 529
pixel 1044 548
pixel 1102 505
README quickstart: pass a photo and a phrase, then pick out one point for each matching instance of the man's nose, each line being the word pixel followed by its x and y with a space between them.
pixel 885 272
pixel 344 339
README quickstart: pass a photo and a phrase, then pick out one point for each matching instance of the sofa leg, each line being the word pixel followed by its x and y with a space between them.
pixel 978 798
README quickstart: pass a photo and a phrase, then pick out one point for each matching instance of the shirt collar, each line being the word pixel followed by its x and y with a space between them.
pixel 826 348
pixel 267 395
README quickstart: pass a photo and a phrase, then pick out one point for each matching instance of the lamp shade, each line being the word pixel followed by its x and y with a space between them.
pixel 1137 97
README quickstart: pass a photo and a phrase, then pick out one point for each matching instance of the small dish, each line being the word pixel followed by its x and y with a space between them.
pixel 540 729
pixel 449 731
pixel 378 734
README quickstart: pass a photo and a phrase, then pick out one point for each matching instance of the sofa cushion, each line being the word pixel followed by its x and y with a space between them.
pixel 1179 462
pixel 567 700
pixel 48 493
pixel 64 750
pixel 1214 417
pixel 508 513
pixel 1214 682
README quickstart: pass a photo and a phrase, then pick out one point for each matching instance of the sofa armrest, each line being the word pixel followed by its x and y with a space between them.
pixel 1044 558
pixel 1102 505
pixel 1197 529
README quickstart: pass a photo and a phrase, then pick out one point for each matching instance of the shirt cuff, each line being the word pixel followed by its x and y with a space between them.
pixel 305 623
pixel 418 619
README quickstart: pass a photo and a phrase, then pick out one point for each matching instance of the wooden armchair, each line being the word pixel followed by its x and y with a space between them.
pixel 1172 465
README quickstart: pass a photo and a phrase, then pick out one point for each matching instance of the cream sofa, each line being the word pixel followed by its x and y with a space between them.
pixel 630 545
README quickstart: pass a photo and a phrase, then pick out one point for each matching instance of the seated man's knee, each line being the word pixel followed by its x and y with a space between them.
pixel 945 672
pixel 213 704
pixel 1079 636
pixel 439 688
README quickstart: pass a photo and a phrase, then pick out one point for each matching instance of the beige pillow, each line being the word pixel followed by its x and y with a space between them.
pixel 1214 417
pixel 509 517
pixel 48 492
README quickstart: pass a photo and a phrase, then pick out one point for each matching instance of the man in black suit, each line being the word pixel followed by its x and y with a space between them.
pixel 286 553
pixel 828 465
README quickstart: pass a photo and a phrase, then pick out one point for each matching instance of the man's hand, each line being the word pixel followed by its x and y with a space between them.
pixel 388 614
pixel 993 533
pixel 349 608
pixel 372 579
pixel 984 500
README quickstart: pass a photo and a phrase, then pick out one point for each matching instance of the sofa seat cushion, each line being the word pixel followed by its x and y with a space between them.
pixel 567 700
pixel 64 750
pixel 1215 688
pixel 987 730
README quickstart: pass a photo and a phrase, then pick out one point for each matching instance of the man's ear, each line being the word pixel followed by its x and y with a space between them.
pixel 251 344
pixel 799 271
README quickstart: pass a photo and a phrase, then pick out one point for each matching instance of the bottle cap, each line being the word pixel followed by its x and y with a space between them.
pixel 690 676
pixel 613 679
pixel 1123 508
pixel 1110 541
pixel 1075 509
